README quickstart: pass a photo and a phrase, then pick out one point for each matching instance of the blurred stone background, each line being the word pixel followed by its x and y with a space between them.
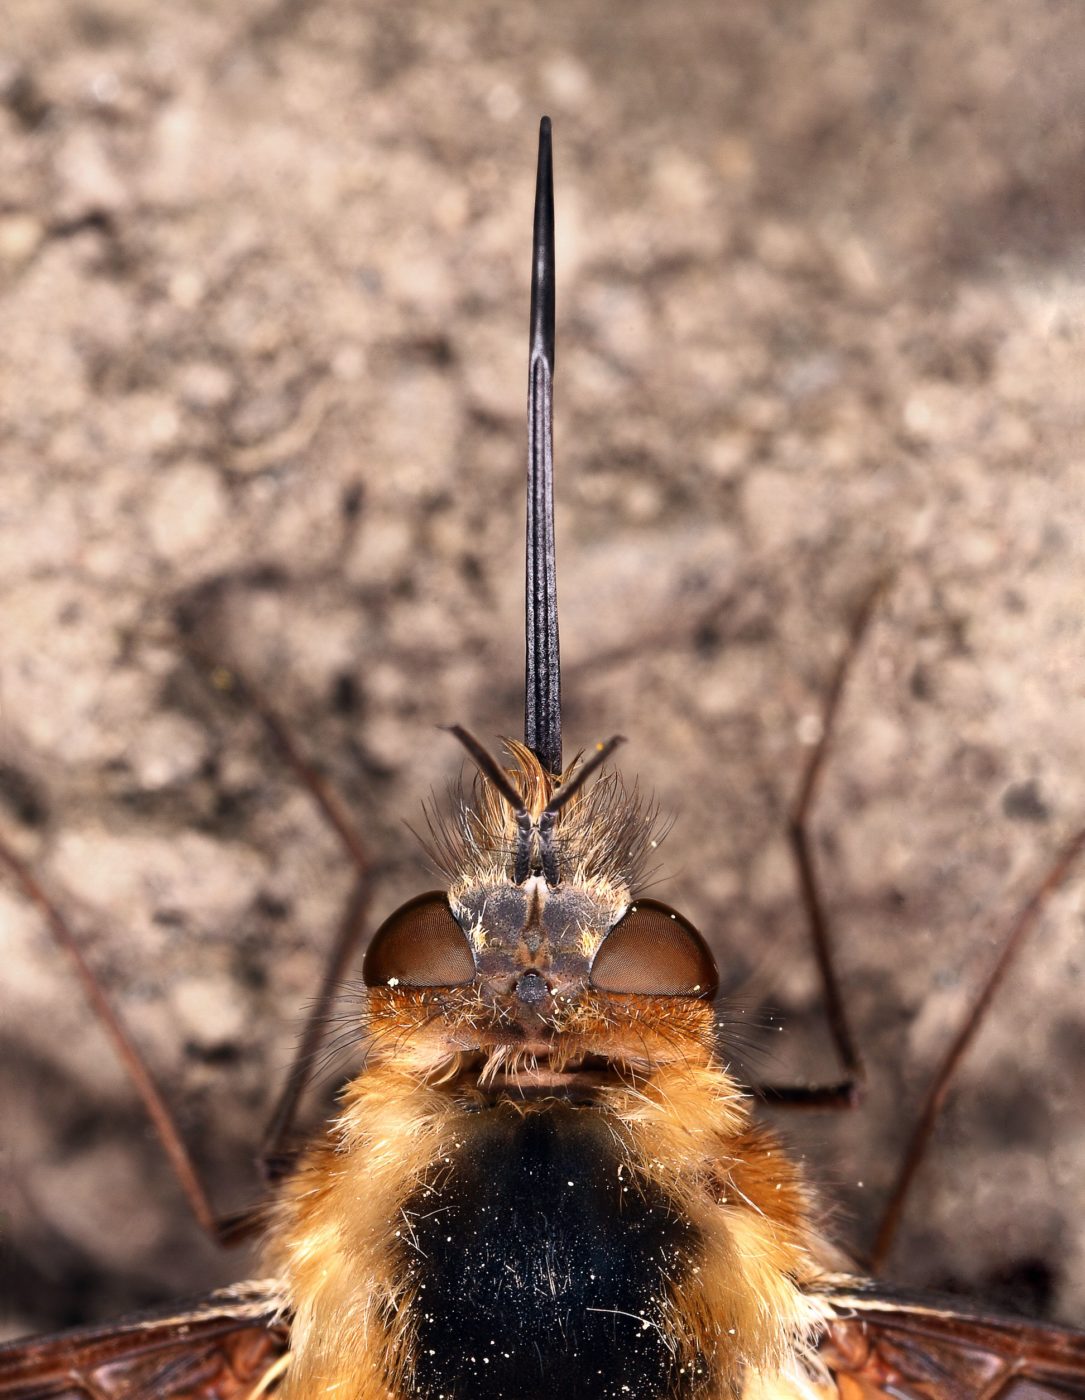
pixel 821 298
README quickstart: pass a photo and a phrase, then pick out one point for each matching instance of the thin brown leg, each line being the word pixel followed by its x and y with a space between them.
pixel 231 1229
pixel 936 1095
pixel 275 1155
pixel 158 1111
pixel 847 1093
pixel 229 678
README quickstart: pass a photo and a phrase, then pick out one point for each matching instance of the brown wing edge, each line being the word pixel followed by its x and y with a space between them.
pixel 881 1342
pixel 211 1348
pixel 919 1346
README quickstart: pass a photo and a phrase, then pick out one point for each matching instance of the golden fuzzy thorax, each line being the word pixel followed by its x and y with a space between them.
pixel 342 1234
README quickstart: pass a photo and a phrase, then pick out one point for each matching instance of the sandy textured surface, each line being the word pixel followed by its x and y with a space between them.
pixel 262 365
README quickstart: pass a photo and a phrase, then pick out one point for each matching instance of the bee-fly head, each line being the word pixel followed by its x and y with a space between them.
pixel 538 949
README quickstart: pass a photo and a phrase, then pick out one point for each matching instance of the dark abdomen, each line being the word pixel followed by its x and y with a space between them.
pixel 542 1270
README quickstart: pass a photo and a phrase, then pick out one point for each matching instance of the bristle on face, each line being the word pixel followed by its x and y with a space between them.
pixel 603 836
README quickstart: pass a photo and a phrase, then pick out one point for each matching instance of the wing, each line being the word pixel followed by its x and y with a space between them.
pixel 882 1345
pixel 215 1349
pixel 915 1347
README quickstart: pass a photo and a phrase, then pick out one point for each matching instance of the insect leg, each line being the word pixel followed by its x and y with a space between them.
pixel 1019 931
pixel 275 1156
pixel 847 1092
pixel 229 678
pixel 223 1230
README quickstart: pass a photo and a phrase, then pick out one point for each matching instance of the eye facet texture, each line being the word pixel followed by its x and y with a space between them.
pixel 653 951
pixel 420 945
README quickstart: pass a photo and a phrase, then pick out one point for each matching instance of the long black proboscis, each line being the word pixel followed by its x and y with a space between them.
pixel 542 679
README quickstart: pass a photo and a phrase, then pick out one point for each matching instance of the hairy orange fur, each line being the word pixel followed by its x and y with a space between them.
pixel 342 1219
pixel 342 1233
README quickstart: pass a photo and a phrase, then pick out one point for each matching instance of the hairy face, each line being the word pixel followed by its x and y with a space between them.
pixel 560 981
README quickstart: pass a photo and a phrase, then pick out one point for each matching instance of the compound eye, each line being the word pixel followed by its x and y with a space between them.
pixel 652 951
pixel 420 945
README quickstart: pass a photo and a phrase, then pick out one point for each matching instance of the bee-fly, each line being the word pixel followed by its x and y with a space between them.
pixel 545 1181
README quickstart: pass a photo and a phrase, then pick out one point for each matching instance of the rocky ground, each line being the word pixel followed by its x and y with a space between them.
pixel 264 275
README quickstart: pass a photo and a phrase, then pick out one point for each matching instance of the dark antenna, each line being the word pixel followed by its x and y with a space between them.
pixel 542 678
pixel 581 776
pixel 535 844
